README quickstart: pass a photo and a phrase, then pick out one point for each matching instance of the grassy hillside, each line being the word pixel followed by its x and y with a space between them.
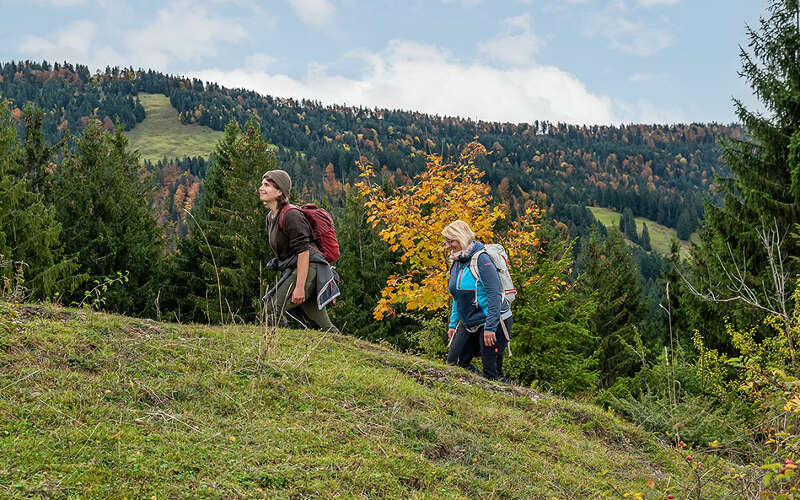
pixel 660 236
pixel 161 134
pixel 95 405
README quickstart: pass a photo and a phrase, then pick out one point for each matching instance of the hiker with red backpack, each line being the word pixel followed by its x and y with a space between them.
pixel 304 241
pixel 480 318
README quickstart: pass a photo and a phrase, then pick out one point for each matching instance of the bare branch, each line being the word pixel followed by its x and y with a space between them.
pixel 773 297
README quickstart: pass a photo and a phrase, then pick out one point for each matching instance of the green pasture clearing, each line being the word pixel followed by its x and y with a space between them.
pixel 660 236
pixel 104 406
pixel 162 134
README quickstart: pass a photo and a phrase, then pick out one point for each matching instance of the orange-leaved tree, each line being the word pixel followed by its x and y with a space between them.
pixel 412 217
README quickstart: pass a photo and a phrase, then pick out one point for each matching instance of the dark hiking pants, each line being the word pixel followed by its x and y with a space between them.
pixel 466 345
pixel 280 301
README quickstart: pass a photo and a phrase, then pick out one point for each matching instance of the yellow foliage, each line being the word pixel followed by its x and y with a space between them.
pixel 412 218
pixel 765 376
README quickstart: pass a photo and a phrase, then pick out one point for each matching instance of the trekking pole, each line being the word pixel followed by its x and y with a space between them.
pixel 508 337
pixel 305 327
pixel 454 335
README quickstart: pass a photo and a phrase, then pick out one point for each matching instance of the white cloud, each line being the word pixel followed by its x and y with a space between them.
pixel 74 44
pixel 643 111
pixel 412 76
pixel 653 3
pixel 315 13
pixel 181 31
pixel 404 75
pixel 629 36
pixel 516 47
pixel 76 38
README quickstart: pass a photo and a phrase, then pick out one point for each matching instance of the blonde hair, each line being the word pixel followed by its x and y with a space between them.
pixel 459 230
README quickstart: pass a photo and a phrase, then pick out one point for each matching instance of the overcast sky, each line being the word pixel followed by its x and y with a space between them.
pixel 575 61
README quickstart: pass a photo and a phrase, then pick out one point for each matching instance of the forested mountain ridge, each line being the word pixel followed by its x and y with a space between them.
pixel 661 172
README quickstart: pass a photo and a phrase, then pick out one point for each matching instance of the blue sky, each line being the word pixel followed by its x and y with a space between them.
pixel 575 61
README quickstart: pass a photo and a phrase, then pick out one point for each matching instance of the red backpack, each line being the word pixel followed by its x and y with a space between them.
pixel 321 225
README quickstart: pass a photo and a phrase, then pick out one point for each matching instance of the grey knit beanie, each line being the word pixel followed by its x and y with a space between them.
pixel 281 179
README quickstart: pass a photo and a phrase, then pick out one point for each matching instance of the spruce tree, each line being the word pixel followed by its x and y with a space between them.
pixel 29 233
pixel 623 223
pixel 36 153
pixel 627 225
pixel 764 190
pixel 611 273
pixel 101 193
pixel 644 239
pixel 220 267
pixel 190 278
pixel 551 336
pixel 685 225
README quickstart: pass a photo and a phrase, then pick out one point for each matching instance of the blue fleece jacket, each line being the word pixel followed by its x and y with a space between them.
pixel 463 285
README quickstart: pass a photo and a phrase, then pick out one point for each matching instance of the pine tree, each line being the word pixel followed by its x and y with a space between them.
pixel 685 225
pixel 29 233
pixel 765 187
pixel 627 225
pixel 644 239
pixel 551 336
pixel 36 154
pixel 612 274
pixel 101 194
pixel 190 279
pixel 764 190
pixel 220 267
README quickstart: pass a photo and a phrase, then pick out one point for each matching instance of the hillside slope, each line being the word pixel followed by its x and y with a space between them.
pixel 162 135
pixel 662 172
pixel 95 405
pixel 660 236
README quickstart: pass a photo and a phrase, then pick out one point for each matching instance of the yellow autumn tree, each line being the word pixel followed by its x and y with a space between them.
pixel 412 217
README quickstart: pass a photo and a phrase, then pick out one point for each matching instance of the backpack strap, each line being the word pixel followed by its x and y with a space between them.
pixel 473 264
pixel 281 215
pixel 473 267
pixel 284 208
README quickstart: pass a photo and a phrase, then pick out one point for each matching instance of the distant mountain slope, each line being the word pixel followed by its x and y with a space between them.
pixel 661 172
pixel 95 405
pixel 161 135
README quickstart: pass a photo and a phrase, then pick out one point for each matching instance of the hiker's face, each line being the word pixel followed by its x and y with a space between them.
pixel 268 191
pixel 453 245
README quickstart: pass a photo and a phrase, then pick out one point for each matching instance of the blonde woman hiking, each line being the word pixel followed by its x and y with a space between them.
pixel 478 305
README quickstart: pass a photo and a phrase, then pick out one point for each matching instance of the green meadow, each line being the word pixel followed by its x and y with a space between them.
pixel 162 135
pixel 96 405
pixel 660 236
